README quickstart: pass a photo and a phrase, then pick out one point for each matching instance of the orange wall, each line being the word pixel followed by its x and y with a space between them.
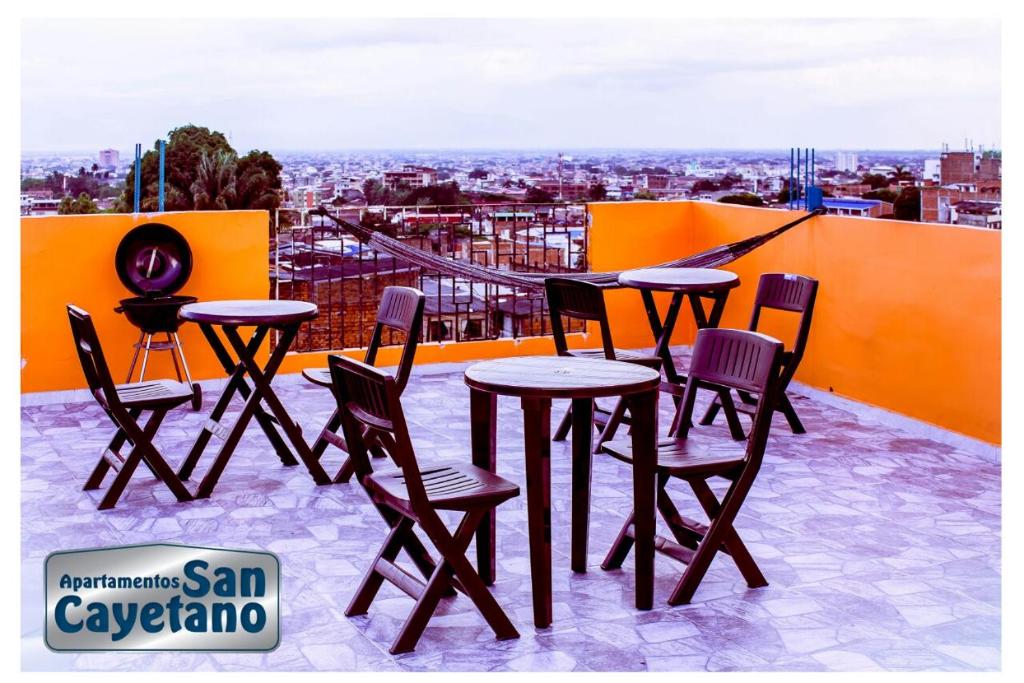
pixel 70 259
pixel 907 317
pixel 908 314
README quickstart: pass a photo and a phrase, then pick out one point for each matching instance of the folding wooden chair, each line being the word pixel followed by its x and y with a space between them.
pixel 722 358
pixel 124 404
pixel 401 309
pixel 784 292
pixel 585 301
pixel 368 400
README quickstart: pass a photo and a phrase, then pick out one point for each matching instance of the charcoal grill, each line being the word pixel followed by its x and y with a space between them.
pixel 154 261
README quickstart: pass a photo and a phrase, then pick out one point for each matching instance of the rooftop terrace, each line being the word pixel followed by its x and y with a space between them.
pixel 881 547
pixel 878 530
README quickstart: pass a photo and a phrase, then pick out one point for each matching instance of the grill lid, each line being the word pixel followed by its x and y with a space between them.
pixel 153 259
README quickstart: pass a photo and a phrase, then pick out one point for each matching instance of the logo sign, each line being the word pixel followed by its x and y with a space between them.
pixel 162 597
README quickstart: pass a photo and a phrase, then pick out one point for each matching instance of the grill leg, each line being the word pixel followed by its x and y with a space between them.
pixel 174 357
pixel 135 357
pixel 145 358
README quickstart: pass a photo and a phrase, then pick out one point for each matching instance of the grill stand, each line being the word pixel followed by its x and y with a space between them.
pixel 172 344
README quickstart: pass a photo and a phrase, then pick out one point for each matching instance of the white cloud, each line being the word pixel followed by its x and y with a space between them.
pixel 512 83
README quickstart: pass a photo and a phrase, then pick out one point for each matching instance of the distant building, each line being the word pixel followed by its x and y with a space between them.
pixel 978 214
pixel 932 171
pixel 570 192
pixel 109 158
pixel 849 206
pixel 846 162
pixel 410 176
pixel 937 202
pixel 968 167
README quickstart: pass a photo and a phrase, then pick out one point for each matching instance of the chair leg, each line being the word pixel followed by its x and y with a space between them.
pixel 373 580
pixel 787 409
pixel 454 565
pixel 712 412
pixel 332 426
pixel 612 425
pixel 621 547
pixel 143 449
pixel 732 542
pixel 564 426
pixel 708 548
pixel 732 416
pixel 473 585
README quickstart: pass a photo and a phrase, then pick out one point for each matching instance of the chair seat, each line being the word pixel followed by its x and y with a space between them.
pixel 162 393
pixel 319 376
pixel 620 355
pixel 448 487
pixel 684 457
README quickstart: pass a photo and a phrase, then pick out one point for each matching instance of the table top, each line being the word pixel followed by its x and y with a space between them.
pixel 680 279
pixel 249 312
pixel 560 377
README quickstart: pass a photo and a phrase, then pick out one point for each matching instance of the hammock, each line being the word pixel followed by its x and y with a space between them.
pixel 711 258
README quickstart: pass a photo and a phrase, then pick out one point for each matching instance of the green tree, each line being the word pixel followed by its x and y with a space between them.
pixel 258 181
pixel 215 186
pixel 477 173
pixel 597 192
pixel 900 172
pixel 907 206
pixel 83 204
pixel 744 198
pixel 255 180
pixel 644 193
pixel 884 194
pixel 535 195
pixel 875 180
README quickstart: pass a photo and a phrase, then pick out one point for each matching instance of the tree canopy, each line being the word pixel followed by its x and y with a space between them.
pixel 744 198
pixel 71 205
pixel 204 172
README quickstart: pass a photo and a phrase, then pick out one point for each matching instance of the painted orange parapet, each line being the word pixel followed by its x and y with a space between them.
pixel 908 314
pixel 907 317
pixel 70 259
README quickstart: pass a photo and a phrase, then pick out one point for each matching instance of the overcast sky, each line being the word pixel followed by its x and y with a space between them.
pixel 460 83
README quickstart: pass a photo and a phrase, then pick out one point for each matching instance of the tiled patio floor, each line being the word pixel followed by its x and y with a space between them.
pixel 881 548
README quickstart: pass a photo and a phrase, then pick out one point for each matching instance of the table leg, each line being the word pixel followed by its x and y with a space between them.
pixel 537 429
pixel 582 442
pixel 262 390
pixel 644 409
pixel 483 409
pixel 265 421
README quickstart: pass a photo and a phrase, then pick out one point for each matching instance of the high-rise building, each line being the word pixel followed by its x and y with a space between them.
pixel 109 158
pixel 846 162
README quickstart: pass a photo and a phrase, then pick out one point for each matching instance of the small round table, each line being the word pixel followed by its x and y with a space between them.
pixel 692 283
pixel 536 380
pixel 263 316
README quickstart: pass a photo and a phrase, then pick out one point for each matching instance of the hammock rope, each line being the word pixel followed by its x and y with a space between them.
pixel 710 258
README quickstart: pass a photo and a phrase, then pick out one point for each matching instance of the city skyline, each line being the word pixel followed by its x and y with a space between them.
pixel 514 85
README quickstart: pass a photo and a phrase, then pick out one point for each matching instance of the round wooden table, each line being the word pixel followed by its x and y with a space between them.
pixel 263 316
pixel 692 283
pixel 536 380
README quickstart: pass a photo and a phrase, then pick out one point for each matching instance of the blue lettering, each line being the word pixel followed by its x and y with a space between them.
pixel 60 614
pixel 193 571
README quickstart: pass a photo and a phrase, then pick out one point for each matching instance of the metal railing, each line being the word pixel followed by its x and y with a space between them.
pixel 312 259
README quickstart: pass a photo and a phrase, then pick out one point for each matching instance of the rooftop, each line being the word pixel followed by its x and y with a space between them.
pixel 880 545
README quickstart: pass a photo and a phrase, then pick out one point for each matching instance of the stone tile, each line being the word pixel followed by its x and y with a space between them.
pixel 882 549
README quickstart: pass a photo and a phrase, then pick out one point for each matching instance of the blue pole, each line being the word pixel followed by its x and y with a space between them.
pixel 138 176
pixel 791 178
pixel 814 170
pixel 160 201
pixel 807 175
